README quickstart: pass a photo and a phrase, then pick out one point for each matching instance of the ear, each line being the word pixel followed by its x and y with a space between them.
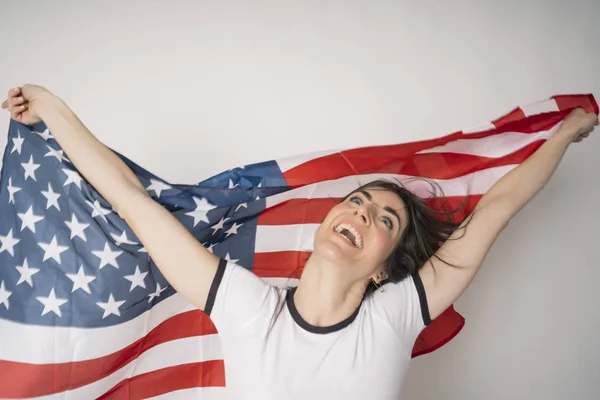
pixel 379 276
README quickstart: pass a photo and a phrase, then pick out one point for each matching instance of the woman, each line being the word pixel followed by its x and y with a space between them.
pixel 382 268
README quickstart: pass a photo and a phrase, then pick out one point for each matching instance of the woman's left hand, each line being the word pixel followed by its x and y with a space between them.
pixel 578 125
pixel 23 103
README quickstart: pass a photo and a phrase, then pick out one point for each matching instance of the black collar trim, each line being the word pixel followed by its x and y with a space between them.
pixel 312 328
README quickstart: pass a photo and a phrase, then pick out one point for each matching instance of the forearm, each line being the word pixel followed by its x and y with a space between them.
pixel 96 162
pixel 514 190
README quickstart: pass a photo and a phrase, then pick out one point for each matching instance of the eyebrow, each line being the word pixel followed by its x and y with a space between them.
pixel 386 208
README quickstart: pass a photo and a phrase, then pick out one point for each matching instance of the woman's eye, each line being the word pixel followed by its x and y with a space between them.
pixel 356 200
pixel 388 222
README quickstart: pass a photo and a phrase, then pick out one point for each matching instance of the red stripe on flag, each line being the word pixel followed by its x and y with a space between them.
pixel 515 115
pixel 569 102
pixel 280 264
pixel 357 162
pixel 185 376
pixel 297 211
pixel 442 330
pixel 453 165
pixel 56 378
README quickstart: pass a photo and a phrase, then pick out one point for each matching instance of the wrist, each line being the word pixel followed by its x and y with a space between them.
pixel 46 104
pixel 563 138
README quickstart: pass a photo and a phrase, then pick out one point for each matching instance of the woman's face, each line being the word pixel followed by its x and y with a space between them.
pixel 360 233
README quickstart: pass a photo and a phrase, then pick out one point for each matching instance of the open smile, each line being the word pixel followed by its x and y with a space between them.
pixel 349 233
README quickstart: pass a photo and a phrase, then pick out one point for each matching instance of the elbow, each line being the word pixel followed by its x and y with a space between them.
pixel 129 199
pixel 498 213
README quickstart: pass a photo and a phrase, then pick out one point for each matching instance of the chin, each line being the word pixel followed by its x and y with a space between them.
pixel 334 251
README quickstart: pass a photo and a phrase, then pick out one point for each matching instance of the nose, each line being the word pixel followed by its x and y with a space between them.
pixel 363 213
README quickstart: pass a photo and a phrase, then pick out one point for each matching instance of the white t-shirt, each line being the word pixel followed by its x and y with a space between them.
pixel 364 357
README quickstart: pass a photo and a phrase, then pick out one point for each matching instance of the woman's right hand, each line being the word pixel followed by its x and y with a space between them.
pixel 23 103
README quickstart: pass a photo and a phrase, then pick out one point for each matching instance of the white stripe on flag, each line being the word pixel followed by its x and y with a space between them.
pixel 205 393
pixel 494 146
pixel 287 163
pixel 540 107
pixel 57 344
pixel 181 351
pixel 177 352
pixel 480 128
pixel 478 182
pixel 298 237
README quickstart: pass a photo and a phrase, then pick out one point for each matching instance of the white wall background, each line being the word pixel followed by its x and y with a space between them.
pixel 188 89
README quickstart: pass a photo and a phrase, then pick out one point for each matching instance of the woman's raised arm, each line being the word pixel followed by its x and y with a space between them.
pixel 468 248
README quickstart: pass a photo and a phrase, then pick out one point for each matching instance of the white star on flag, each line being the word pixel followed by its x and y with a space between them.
pixel 137 279
pixel 107 256
pixel 202 208
pixel 219 225
pixel 245 205
pixel 28 219
pixel 122 239
pixel 53 250
pixel 231 185
pixel 51 197
pixel 209 248
pixel 30 168
pixel 18 143
pixel 98 210
pixel 257 196
pixel 159 290
pixel 44 135
pixel 51 303
pixel 4 295
pixel 72 177
pixel 111 306
pixel 8 243
pixel 230 260
pixel 158 186
pixel 76 227
pixel 11 191
pixel 81 281
pixel 55 153
pixel 233 229
pixel 26 273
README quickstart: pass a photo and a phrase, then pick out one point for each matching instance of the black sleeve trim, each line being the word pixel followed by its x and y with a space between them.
pixel 422 298
pixel 212 294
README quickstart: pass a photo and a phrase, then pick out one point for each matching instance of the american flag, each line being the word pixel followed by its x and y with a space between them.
pixel 84 311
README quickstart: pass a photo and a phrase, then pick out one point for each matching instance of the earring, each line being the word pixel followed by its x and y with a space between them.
pixel 378 286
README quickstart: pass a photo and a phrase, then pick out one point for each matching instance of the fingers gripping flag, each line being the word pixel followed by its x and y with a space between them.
pixel 85 311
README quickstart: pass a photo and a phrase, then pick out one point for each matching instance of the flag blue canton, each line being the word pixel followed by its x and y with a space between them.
pixel 68 259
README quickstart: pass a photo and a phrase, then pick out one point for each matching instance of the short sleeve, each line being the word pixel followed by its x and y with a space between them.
pixel 404 306
pixel 237 297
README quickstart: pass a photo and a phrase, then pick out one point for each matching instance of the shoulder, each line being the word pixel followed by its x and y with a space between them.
pixel 237 296
pixel 403 304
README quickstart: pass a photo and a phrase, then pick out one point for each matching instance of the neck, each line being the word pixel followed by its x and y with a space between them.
pixel 323 297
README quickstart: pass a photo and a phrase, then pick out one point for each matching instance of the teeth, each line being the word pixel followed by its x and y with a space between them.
pixel 357 238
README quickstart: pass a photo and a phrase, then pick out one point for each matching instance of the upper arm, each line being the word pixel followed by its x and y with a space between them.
pixel 186 264
pixel 238 298
pixel 466 249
